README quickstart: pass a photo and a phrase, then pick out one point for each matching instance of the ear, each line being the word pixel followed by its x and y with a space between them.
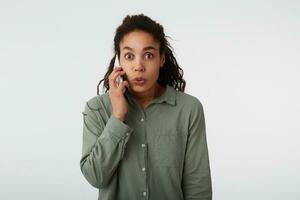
pixel 162 60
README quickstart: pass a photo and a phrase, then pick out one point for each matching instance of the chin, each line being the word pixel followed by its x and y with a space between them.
pixel 138 89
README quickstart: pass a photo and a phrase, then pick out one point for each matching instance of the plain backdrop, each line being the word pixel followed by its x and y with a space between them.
pixel 240 58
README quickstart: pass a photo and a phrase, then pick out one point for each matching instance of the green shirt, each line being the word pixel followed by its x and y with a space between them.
pixel 157 153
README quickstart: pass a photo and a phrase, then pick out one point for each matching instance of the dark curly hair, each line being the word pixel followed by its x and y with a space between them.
pixel 170 74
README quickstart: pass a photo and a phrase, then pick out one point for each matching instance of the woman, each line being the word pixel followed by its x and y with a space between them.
pixel 145 138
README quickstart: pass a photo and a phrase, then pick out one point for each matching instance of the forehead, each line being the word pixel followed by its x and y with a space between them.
pixel 138 40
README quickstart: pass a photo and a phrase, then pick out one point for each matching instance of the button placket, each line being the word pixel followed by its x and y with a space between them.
pixel 144 150
pixel 143 146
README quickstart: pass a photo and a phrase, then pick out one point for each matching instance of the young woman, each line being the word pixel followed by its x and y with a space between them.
pixel 145 138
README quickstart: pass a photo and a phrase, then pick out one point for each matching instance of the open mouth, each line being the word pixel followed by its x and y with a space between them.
pixel 139 81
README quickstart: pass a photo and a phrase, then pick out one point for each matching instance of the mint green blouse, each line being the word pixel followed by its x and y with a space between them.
pixel 157 153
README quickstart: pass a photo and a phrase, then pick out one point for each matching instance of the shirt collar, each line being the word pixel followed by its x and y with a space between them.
pixel 169 96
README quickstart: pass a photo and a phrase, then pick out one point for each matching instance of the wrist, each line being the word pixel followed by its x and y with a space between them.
pixel 121 118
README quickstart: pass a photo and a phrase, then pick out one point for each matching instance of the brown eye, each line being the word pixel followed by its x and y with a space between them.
pixel 128 56
pixel 149 55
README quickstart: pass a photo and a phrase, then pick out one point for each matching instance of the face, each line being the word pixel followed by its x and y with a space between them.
pixel 140 58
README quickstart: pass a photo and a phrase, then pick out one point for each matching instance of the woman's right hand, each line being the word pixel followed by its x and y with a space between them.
pixel 118 101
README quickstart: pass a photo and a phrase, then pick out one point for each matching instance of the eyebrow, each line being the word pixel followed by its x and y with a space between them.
pixel 144 49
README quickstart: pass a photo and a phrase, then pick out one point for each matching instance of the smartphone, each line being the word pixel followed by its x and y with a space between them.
pixel 117 64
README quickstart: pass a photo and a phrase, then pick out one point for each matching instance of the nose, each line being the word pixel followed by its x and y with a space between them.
pixel 138 65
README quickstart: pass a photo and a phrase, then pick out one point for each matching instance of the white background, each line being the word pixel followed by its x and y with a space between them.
pixel 240 58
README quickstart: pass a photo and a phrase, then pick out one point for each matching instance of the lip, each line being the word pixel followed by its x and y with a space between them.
pixel 139 81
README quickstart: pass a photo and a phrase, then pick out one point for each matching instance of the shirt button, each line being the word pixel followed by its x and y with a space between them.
pixel 142 119
pixel 143 169
pixel 127 134
pixel 143 145
pixel 144 193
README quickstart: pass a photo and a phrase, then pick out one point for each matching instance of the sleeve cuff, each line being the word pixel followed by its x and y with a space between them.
pixel 116 129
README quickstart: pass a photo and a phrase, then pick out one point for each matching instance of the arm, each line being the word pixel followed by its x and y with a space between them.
pixel 103 146
pixel 196 183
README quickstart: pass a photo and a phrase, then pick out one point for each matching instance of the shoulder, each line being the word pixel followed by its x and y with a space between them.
pixel 98 102
pixel 97 109
pixel 188 101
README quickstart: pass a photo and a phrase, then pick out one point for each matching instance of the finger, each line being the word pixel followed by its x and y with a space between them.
pixel 117 68
pixel 116 74
pixel 113 77
pixel 123 85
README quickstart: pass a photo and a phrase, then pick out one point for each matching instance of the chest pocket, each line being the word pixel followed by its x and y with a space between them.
pixel 167 149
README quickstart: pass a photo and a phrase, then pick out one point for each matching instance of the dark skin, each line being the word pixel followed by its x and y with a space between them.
pixel 139 57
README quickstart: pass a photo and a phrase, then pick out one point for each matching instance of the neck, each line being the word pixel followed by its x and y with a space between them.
pixel 144 98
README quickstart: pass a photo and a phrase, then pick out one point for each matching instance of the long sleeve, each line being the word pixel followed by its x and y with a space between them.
pixel 196 183
pixel 103 146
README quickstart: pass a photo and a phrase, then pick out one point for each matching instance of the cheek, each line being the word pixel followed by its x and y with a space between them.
pixel 154 73
pixel 127 73
pixel 125 69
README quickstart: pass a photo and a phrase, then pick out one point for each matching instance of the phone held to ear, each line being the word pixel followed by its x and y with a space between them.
pixel 117 64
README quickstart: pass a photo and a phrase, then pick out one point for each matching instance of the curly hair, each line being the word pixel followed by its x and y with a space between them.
pixel 170 74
